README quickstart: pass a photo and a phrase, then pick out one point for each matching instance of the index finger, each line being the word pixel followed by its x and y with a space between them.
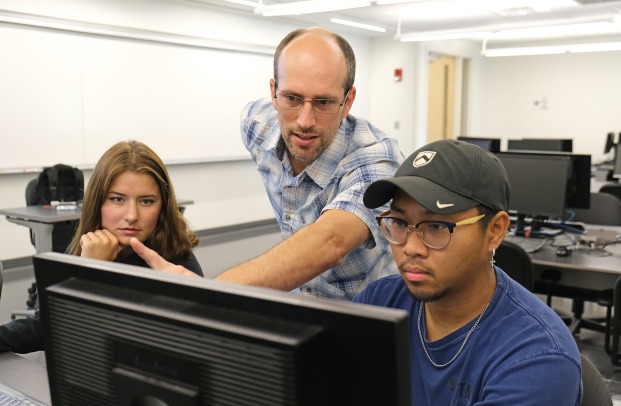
pixel 152 258
pixel 155 261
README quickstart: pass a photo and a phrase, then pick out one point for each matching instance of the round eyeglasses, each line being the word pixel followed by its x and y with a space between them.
pixel 322 105
pixel 434 234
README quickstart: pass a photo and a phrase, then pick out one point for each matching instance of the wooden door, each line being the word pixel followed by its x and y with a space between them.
pixel 441 98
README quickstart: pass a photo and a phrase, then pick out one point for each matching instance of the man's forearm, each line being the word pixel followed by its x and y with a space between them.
pixel 303 256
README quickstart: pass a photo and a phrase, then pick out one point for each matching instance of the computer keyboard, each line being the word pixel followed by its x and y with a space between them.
pixel 12 397
pixel 529 244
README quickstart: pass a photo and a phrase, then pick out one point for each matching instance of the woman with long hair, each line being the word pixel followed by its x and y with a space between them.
pixel 129 195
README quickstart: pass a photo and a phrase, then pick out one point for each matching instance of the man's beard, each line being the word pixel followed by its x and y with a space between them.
pixel 305 155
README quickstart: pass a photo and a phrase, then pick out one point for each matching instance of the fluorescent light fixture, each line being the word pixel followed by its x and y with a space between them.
pixel 554 49
pixel 385 2
pixel 609 26
pixel 245 3
pixel 598 27
pixel 308 7
pixel 596 47
pixel 442 36
pixel 524 51
pixel 358 25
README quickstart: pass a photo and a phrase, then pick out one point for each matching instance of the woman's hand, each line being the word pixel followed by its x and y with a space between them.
pixel 100 244
pixel 155 261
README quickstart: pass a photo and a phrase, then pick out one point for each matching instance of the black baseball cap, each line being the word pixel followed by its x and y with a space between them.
pixel 446 177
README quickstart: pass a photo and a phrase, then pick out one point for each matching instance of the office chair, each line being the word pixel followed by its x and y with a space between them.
pixel 514 260
pixel 615 329
pixel 30 310
pixel 594 388
pixel 604 209
pixel 62 232
pixel 612 189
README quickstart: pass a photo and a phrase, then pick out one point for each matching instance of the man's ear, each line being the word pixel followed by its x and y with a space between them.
pixel 497 228
pixel 273 93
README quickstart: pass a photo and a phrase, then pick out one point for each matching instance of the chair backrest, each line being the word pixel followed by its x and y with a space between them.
pixel 605 209
pixel 516 262
pixel 59 182
pixel 594 388
pixel 615 334
pixel 611 188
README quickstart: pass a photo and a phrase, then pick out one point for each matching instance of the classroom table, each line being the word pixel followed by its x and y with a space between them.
pixel 589 269
pixel 41 219
pixel 588 274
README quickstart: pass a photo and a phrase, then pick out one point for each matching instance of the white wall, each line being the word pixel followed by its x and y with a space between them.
pixel 404 104
pixel 582 92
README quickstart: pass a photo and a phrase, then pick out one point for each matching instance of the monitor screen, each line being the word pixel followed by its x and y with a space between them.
pixel 538 183
pixel 123 335
pixel 610 142
pixel 616 172
pixel 540 144
pixel 488 144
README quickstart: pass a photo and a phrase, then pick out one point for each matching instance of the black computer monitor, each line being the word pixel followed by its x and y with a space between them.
pixel 616 172
pixel 540 144
pixel 610 142
pixel 538 183
pixel 123 335
pixel 544 184
pixel 488 144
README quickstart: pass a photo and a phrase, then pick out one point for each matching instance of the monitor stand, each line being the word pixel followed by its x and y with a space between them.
pixel 520 225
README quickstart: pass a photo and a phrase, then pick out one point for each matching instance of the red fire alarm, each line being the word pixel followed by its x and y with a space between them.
pixel 398 75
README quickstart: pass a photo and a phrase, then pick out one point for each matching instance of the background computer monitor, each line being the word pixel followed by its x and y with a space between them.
pixel 616 172
pixel 118 334
pixel 488 144
pixel 544 184
pixel 610 142
pixel 538 183
pixel 540 144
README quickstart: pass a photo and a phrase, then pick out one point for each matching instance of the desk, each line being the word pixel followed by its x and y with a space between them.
pixel 583 269
pixel 41 219
pixel 25 376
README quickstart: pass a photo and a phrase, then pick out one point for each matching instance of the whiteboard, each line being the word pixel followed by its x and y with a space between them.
pixel 68 97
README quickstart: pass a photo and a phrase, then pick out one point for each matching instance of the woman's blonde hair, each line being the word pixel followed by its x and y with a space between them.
pixel 172 236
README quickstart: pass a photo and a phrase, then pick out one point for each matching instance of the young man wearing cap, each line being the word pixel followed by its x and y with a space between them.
pixel 478 337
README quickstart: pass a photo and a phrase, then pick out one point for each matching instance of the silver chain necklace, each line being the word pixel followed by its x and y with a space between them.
pixel 422 340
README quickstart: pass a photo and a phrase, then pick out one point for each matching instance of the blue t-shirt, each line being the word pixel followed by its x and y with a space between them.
pixel 359 155
pixel 521 352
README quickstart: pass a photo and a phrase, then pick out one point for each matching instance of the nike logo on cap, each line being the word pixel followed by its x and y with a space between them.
pixel 443 205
